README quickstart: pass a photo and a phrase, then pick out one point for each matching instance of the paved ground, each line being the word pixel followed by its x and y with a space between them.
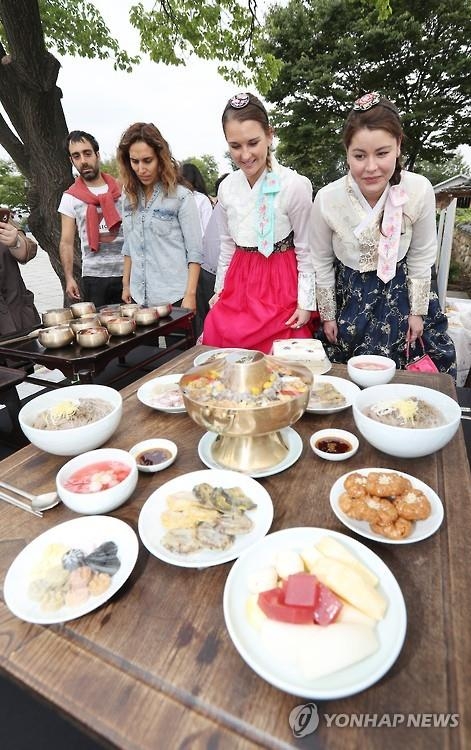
pixel 41 279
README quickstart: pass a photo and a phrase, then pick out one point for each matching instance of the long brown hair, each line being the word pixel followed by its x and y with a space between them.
pixel 253 110
pixel 381 116
pixel 168 174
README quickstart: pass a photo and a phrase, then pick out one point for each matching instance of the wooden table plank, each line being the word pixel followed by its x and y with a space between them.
pixel 159 653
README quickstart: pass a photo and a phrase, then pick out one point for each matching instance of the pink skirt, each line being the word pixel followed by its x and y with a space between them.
pixel 260 294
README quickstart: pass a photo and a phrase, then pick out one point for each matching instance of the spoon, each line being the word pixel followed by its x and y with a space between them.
pixel 38 502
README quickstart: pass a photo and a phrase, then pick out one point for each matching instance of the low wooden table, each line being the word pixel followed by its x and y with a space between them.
pixel 81 364
pixel 155 667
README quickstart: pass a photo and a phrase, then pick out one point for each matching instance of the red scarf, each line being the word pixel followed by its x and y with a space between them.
pixel 106 201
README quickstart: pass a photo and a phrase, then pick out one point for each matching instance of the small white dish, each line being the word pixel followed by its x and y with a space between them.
pixel 290 436
pixel 148 454
pixel 334 445
pixel 110 461
pixel 371 369
pixel 422 529
pixel 346 388
pixel 157 393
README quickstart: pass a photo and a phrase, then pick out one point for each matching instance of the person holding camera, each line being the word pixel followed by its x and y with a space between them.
pixel 17 310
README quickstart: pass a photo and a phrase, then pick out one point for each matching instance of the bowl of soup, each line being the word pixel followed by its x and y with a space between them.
pixel 404 420
pixel 370 369
pixel 97 481
pixel 68 421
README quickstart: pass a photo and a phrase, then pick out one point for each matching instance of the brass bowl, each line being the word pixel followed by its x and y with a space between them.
pixel 56 336
pixel 82 308
pixel 163 309
pixel 57 317
pixel 107 313
pixel 145 316
pixel 86 321
pixel 248 436
pixel 120 326
pixel 93 337
pixel 128 309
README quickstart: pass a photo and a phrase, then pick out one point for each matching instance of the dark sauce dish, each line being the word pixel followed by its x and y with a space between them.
pixel 334 445
pixel 154 454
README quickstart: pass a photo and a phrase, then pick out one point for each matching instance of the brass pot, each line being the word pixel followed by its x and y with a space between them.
pixel 163 308
pixel 93 337
pixel 128 309
pixel 86 321
pixel 56 336
pixel 249 437
pixel 145 316
pixel 82 308
pixel 57 317
pixel 107 313
pixel 120 326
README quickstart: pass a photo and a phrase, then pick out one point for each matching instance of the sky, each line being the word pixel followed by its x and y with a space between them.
pixel 185 103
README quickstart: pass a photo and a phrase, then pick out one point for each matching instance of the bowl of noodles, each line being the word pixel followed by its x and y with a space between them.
pixel 68 421
pixel 403 420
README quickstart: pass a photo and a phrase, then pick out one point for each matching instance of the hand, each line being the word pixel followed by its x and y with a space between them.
pixel 126 294
pixel 299 318
pixel 8 234
pixel 416 328
pixel 189 302
pixel 72 289
pixel 330 331
pixel 214 299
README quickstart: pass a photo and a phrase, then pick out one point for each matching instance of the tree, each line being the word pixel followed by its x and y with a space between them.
pixel 334 50
pixel 216 29
pixel 12 187
pixel 443 170
pixel 208 167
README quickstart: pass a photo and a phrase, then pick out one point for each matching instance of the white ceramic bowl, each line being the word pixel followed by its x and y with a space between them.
pixel 366 377
pixel 71 442
pixel 406 442
pixel 103 501
pixel 149 446
pixel 334 435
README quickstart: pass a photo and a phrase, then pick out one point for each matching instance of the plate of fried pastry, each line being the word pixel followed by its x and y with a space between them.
pixel 330 394
pixel 386 506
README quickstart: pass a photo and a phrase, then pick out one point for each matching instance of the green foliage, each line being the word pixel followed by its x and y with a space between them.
pixel 332 51
pixel 208 167
pixel 110 165
pixel 12 187
pixel 463 216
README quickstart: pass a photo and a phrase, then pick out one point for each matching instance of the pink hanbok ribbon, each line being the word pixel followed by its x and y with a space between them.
pixel 390 233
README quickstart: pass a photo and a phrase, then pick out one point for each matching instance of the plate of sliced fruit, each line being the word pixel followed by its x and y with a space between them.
pixel 315 613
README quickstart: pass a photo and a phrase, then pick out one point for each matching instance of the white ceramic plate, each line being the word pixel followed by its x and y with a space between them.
pixel 348 390
pixel 86 533
pixel 291 437
pixel 151 530
pixel 149 392
pixel 391 629
pixel 216 354
pixel 421 530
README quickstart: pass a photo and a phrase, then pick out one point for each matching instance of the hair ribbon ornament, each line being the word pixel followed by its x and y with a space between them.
pixel 239 101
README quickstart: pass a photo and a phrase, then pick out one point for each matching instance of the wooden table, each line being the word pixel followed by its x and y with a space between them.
pixel 81 364
pixel 155 668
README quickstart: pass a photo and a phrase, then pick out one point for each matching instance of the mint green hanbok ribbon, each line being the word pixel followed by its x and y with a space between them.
pixel 269 188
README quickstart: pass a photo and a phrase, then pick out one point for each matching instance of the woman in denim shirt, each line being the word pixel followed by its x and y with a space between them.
pixel 162 233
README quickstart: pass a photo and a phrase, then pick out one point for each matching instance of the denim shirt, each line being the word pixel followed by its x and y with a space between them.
pixel 161 237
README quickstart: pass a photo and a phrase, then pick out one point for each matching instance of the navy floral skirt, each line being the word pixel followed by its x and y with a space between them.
pixel 372 318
